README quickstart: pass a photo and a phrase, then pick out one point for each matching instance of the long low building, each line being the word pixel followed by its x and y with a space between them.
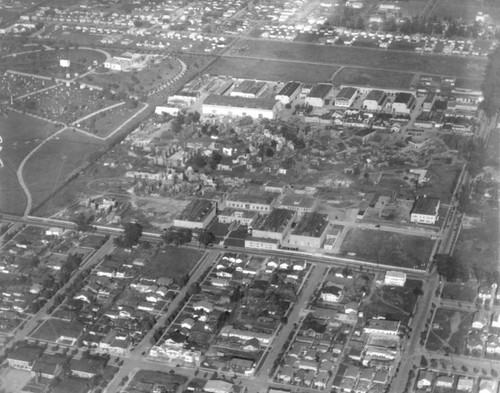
pixel 240 106
pixel 289 92
pixel 276 225
pixel 425 210
pixel 197 214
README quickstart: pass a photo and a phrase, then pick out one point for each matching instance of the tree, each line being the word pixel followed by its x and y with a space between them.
pixel 131 235
pixel 206 238
pixel 83 223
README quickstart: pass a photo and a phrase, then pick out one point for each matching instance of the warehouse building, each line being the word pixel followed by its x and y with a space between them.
pixel 261 203
pixel 276 225
pixel 239 106
pixel 403 103
pixel 310 231
pixel 319 94
pixel 289 92
pixel 346 97
pixel 249 89
pixel 425 210
pixel 375 101
pixel 198 214
pixel 300 204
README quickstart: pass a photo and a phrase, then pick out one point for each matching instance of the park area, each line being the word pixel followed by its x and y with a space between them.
pixel 62 157
pixel 173 262
pixel 394 303
pixel 362 57
pixel 387 248
pixel 20 135
pixel 64 103
pixel 459 291
pixel 449 331
pixel 272 70
pixel 374 78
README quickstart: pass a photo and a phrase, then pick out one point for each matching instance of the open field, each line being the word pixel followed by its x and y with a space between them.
pixel 273 70
pixel 393 303
pixel 173 262
pixel 387 248
pixel 442 181
pixel 466 9
pixel 378 78
pixel 459 292
pixel 361 57
pixel 20 135
pixel 61 157
pixel 449 330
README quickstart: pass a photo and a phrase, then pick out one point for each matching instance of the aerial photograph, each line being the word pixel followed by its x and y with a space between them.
pixel 249 196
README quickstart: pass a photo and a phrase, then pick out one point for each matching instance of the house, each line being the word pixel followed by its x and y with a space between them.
pixel 204 306
pixel 475 342
pixel 395 278
pixel 487 386
pixel 444 381
pixel 218 386
pixel 86 368
pixel 465 384
pixel 425 210
pixel 346 97
pixel 242 366
pixel 331 293
pixel 480 320
pixel 425 379
pixel 495 320
pixel 286 373
pixel 23 358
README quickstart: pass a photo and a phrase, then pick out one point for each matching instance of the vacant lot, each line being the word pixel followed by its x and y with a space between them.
pixel 13 381
pixel 61 157
pixel 20 135
pixel 460 292
pixel 449 330
pixel 173 262
pixel 387 248
pixel 363 57
pixel 394 303
pixel 376 78
pixel 272 70
pixel 443 180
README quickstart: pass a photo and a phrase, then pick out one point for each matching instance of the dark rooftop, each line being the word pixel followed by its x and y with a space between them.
pixel 240 102
pixel 375 95
pixel 289 89
pixel 196 210
pixel 321 90
pixel 311 224
pixel 276 221
pixel 346 93
pixel 425 205
pixel 403 98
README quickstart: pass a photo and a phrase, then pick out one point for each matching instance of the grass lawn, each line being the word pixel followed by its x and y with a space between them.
pixel 363 57
pixel 376 78
pixel 272 70
pixel 460 292
pixel 173 262
pixel 465 9
pixel 61 158
pixel 449 329
pixel 393 303
pixel 20 135
pixel 388 248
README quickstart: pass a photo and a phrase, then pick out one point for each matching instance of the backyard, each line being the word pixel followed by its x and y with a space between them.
pixel 387 248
